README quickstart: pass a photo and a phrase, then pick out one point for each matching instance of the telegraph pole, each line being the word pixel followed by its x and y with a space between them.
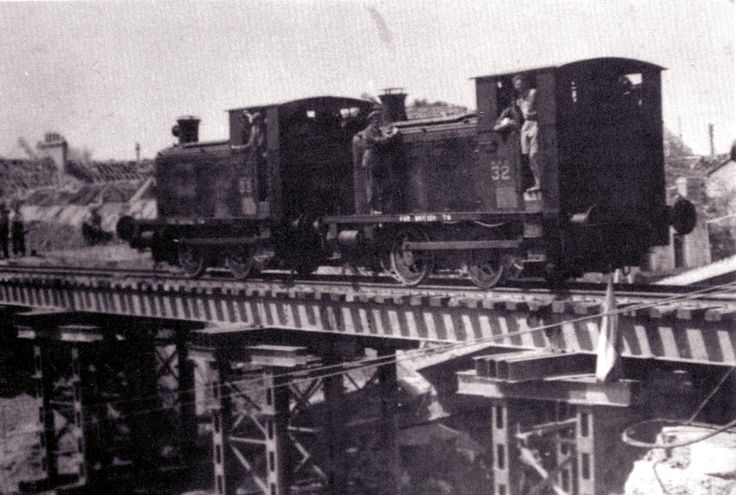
pixel 710 136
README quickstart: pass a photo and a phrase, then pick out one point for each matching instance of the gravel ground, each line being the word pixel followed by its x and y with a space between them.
pixel 103 256
pixel 704 468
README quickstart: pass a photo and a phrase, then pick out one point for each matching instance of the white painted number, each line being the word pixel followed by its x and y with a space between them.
pixel 500 172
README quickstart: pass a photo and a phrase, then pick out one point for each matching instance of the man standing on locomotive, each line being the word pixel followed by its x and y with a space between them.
pixel 526 103
pixel 367 147
pixel 257 150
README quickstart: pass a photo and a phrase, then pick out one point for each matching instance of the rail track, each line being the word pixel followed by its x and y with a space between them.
pixel 331 282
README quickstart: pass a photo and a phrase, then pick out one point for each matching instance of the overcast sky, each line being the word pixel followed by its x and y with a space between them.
pixel 109 74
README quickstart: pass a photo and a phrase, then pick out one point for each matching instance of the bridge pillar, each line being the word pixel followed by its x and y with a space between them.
pixel 282 417
pixel 43 391
pixel 220 411
pixel 97 408
pixel 186 395
pixel 89 462
pixel 336 417
pixel 507 418
pixel 276 422
pixel 16 356
pixel 174 381
pixel 600 452
pixel 565 452
pixel 388 390
pixel 255 396
pixel 559 434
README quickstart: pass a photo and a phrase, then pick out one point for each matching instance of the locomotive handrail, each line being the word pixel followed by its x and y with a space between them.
pixel 450 119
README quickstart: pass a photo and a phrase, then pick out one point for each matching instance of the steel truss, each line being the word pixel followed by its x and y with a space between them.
pixel 553 447
pixel 100 411
pixel 293 429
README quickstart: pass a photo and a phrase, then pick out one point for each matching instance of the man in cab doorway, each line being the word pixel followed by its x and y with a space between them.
pixel 526 103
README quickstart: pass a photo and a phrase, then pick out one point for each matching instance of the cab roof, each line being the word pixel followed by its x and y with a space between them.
pixel 311 101
pixel 612 62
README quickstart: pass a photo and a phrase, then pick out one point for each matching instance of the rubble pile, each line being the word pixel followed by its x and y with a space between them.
pixel 703 468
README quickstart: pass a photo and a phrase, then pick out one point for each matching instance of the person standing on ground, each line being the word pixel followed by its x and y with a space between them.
pixel 4 231
pixel 18 232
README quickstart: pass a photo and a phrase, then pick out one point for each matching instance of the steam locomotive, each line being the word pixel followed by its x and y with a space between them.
pixel 284 191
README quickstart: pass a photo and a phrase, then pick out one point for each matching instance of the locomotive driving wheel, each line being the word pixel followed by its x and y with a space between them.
pixel 305 245
pixel 385 265
pixel 191 260
pixel 486 269
pixel 240 262
pixel 307 265
pixel 407 266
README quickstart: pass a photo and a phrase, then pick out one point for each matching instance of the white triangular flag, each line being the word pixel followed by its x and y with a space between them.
pixel 608 363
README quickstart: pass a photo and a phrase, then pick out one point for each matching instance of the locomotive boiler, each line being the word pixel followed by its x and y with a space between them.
pixel 285 191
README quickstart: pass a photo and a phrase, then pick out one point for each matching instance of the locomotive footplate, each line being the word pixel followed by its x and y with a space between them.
pixel 215 241
pixel 453 245
pixel 507 216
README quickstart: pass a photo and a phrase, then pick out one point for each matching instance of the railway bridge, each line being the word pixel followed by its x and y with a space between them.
pixel 298 383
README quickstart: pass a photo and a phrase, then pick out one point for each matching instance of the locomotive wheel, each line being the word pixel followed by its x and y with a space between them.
pixel 384 262
pixel 555 276
pixel 191 261
pixel 409 267
pixel 486 269
pixel 307 257
pixel 306 266
pixel 240 262
pixel 386 267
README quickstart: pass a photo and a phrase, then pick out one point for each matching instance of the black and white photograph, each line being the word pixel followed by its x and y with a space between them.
pixel 368 247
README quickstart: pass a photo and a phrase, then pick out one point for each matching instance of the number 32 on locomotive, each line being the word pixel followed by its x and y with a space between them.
pixel 500 169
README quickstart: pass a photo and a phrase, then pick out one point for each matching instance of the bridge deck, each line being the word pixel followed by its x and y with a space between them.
pixel 700 332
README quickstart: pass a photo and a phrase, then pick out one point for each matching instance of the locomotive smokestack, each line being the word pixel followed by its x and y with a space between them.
pixel 187 129
pixel 393 107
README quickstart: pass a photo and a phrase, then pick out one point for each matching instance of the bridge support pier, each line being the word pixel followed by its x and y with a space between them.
pixel 286 417
pixel 388 390
pixel 174 386
pixel 600 452
pixel 97 408
pixel 43 391
pixel 560 434
pixel 255 398
pixel 334 394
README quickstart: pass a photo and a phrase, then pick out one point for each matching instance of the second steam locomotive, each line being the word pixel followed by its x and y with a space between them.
pixel 284 191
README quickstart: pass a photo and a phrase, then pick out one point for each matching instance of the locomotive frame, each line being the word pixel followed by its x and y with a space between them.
pixel 283 190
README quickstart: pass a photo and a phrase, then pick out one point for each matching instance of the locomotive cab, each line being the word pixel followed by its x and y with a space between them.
pixel 305 164
pixel 254 198
pixel 600 156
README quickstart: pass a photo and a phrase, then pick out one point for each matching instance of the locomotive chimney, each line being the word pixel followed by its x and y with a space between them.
pixel 393 107
pixel 186 129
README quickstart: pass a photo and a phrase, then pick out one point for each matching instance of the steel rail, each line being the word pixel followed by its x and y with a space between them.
pixel 383 284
